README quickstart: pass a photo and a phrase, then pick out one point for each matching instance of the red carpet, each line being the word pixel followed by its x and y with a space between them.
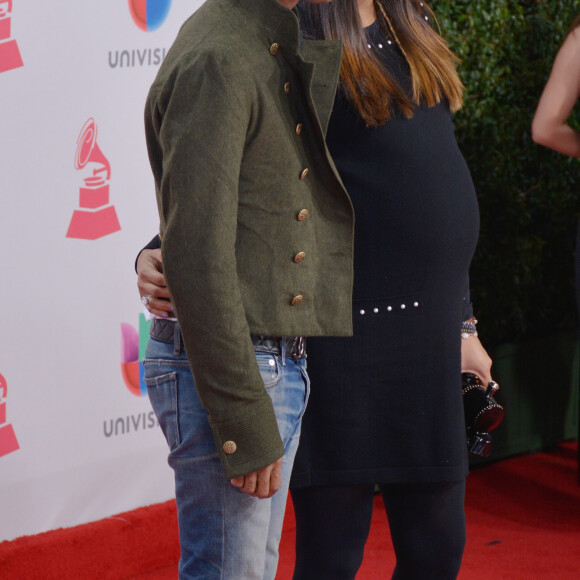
pixel 523 521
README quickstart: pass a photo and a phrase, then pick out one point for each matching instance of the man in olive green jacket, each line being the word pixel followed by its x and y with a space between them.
pixel 257 236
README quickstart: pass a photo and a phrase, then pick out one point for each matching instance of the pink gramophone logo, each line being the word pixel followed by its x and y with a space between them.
pixel 9 54
pixel 95 217
pixel 8 442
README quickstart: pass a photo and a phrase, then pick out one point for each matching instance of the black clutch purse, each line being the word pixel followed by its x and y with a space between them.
pixel 482 413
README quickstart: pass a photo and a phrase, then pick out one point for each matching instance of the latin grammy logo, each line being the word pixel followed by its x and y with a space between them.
pixel 8 442
pixel 95 218
pixel 9 54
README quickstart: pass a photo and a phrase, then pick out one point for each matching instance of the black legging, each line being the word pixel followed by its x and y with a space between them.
pixel 427 523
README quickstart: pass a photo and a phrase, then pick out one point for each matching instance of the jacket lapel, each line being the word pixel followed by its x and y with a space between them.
pixel 321 69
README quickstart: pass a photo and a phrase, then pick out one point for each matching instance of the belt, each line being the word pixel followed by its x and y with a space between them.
pixel 294 346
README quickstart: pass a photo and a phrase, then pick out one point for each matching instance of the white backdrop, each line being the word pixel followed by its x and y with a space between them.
pixel 78 441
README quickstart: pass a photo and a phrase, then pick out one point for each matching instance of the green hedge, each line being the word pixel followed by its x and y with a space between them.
pixel 522 276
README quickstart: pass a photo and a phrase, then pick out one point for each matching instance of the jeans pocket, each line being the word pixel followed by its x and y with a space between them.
pixel 269 367
pixel 306 380
pixel 162 391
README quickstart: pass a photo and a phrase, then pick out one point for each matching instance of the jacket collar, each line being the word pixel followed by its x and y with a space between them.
pixel 323 59
pixel 274 21
pixel 319 60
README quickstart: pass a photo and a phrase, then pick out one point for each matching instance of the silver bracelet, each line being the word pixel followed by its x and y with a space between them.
pixel 468 328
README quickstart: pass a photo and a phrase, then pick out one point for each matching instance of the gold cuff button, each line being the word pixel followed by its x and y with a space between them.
pixel 297 299
pixel 287 88
pixel 274 48
pixel 304 173
pixel 299 129
pixel 229 447
pixel 302 215
pixel 299 257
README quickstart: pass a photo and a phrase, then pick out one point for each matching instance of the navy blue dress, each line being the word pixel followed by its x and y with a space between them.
pixel 385 405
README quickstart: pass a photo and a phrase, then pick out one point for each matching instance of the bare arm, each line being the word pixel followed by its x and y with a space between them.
pixel 549 126
pixel 474 359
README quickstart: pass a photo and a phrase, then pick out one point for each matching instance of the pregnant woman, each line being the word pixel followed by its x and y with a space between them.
pixel 386 406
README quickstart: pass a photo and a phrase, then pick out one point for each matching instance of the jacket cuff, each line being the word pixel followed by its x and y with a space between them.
pixel 250 443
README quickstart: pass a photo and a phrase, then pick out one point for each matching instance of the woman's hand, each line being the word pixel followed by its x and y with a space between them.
pixel 151 283
pixel 474 359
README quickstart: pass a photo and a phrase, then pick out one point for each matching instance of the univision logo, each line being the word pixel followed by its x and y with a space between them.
pixel 149 15
pixel 133 345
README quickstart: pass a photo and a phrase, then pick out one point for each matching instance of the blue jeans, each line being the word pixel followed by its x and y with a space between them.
pixel 223 533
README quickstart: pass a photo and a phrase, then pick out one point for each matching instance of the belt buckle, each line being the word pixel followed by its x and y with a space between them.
pixel 299 347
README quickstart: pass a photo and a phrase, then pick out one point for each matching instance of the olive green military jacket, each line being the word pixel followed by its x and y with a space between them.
pixel 256 226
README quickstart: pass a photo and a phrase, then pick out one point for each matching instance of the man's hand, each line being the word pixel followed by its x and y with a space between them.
pixel 151 283
pixel 475 360
pixel 263 483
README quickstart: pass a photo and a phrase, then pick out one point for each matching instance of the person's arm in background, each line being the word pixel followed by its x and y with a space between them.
pixel 151 282
pixel 549 126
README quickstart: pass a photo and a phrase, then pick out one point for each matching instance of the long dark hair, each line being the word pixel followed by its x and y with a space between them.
pixel 372 90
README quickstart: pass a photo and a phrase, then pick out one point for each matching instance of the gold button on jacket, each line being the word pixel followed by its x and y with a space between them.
pixel 230 447
pixel 228 206
pixel 297 299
